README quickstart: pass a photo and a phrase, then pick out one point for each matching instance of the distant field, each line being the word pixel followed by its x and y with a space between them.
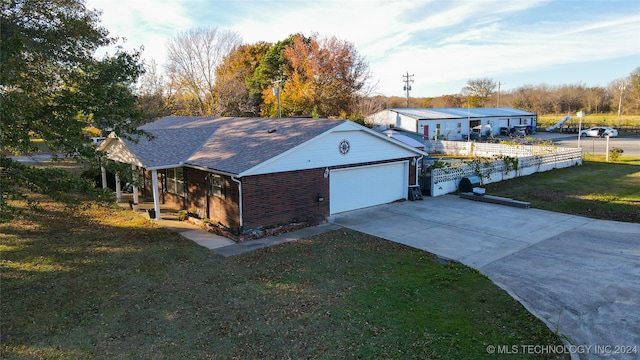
pixel 592 120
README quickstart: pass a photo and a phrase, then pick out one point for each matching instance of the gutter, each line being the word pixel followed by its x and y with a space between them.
pixel 418 161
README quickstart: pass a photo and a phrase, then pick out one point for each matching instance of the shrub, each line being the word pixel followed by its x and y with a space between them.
pixel 614 153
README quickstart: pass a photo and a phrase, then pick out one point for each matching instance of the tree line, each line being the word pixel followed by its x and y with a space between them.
pixel 620 95
pixel 211 72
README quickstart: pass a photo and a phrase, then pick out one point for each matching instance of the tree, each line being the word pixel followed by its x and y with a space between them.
pixel 52 86
pixel 151 94
pixel 594 98
pixel 479 91
pixel 49 76
pixel 234 77
pixel 322 76
pixel 632 98
pixel 447 101
pixel 193 57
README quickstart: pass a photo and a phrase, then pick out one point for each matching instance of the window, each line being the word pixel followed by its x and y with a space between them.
pixel 217 186
pixel 459 130
pixel 175 181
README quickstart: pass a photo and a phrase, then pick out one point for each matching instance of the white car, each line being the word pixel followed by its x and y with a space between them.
pixel 599 131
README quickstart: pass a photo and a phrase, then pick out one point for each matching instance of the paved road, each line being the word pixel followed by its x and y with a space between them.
pixel 592 145
pixel 580 276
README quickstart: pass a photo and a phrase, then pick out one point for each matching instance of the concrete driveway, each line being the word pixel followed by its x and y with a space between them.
pixel 580 276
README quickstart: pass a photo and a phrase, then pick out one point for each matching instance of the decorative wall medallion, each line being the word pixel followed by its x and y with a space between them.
pixel 344 147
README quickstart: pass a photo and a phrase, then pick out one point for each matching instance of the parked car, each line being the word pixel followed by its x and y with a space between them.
pixel 599 131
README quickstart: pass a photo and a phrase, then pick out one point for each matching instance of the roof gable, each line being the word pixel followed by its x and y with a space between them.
pixel 366 145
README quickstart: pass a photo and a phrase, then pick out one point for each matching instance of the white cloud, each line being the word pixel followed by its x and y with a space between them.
pixel 444 43
pixel 144 23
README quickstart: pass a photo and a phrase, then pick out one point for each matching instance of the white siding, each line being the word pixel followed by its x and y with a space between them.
pixel 407 123
pixel 323 151
pixel 364 186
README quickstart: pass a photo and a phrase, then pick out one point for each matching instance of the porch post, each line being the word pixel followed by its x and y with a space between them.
pixel 135 184
pixel 156 196
pixel 118 189
pixel 103 170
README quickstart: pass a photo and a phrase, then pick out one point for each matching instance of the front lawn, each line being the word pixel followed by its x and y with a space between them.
pixel 106 283
pixel 600 190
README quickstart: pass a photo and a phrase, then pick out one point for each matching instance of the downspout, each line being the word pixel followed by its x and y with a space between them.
pixel 418 161
pixel 207 194
pixel 239 200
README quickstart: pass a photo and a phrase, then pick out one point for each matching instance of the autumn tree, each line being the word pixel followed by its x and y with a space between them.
pixel 272 68
pixel 447 101
pixel 193 57
pixel 234 79
pixel 322 77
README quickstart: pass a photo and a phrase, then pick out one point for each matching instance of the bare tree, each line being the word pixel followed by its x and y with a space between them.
pixel 193 57
pixel 480 90
pixel 595 98
pixel 151 94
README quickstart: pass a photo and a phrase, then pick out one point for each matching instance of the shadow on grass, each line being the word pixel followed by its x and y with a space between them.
pixel 105 283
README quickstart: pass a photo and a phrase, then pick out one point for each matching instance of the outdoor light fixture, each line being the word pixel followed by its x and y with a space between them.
pixel 326 172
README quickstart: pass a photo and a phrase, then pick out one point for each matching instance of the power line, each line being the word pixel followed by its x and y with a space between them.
pixel 499 83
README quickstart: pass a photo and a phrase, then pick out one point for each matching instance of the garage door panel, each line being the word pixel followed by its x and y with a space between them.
pixel 359 187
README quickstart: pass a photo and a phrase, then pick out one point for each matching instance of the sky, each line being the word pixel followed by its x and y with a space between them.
pixel 442 43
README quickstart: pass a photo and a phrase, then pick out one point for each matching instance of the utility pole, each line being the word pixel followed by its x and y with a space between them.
pixel 407 79
pixel 276 92
pixel 622 86
pixel 499 83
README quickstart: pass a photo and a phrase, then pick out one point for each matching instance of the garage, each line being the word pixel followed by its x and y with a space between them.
pixel 359 187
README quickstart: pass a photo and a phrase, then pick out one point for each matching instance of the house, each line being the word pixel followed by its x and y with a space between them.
pixel 452 123
pixel 250 173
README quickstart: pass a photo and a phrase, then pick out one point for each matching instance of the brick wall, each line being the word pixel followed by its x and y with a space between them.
pixel 269 199
pixel 286 197
pixel 219 209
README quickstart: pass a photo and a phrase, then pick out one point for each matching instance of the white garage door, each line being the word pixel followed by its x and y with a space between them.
pixel 359 187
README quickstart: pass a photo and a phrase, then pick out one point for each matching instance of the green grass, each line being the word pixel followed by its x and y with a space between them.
pixel 625 121
pixel 601 190
pixel 106 283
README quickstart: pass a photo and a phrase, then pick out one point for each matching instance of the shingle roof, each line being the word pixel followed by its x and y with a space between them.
pixel 168 146
pixel 225 144
pixel 455 113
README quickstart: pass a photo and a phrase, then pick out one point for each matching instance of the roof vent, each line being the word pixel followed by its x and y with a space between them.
pixel 272 131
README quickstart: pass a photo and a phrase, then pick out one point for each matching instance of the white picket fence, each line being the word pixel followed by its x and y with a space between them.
pixel 513 161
